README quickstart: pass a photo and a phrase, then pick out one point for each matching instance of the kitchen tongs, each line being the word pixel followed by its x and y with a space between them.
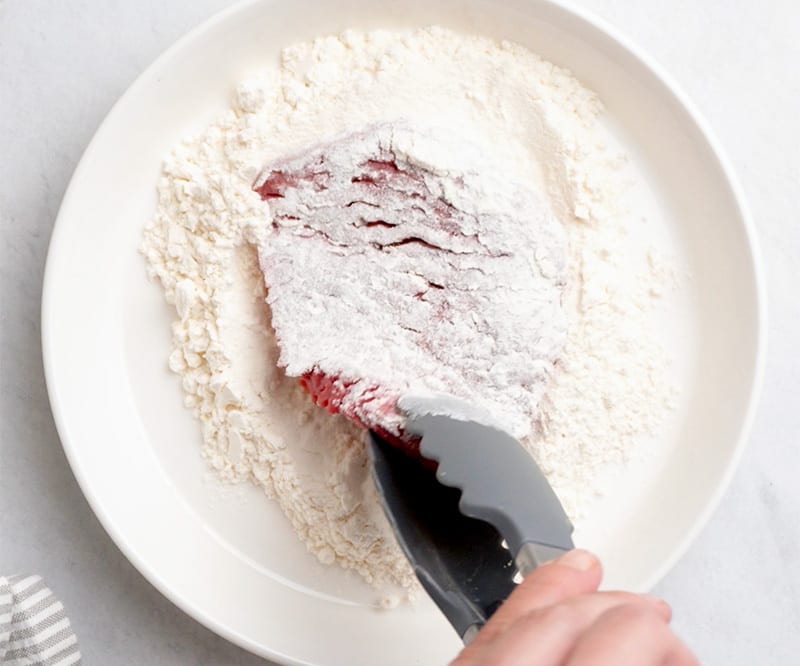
pixel 486 513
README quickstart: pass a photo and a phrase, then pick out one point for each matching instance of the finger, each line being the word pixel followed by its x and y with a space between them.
pixel 546 636
pixel 630 635
pixel 574 573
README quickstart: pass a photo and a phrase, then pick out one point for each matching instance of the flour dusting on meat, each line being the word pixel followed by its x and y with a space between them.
pixel 401 260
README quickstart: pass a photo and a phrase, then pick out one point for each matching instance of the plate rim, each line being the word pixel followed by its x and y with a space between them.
pixel 48 332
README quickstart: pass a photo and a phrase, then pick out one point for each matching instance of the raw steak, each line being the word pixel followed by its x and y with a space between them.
pixel 401 261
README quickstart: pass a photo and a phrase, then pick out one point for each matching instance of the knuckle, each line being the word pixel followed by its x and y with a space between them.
pixel 623 597
pixel 640 614
pixel 558 614
pixel 552 588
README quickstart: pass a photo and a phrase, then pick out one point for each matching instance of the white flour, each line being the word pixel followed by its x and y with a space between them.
pixel 608 390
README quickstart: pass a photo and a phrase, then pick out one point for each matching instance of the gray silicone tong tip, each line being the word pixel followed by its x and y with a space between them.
pixel 487 489
pixel 499 482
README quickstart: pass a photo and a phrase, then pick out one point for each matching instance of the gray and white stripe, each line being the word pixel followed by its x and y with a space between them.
pixel 34 628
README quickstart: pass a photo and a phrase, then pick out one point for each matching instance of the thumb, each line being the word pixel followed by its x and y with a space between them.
pixel 574 573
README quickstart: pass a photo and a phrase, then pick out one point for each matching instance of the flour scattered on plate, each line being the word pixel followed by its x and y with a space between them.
pixel 608 391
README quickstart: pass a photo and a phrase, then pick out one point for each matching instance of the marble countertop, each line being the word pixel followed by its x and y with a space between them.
pixel 736 594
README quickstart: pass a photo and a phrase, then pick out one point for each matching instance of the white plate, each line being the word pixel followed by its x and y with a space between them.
pixel 230 559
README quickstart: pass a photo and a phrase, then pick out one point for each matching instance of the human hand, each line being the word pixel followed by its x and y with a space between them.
pixel 556 617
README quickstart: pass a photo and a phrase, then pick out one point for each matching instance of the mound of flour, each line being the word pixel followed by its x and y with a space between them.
pixel 608 390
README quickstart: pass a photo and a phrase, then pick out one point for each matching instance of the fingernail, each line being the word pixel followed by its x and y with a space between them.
pixel 581 560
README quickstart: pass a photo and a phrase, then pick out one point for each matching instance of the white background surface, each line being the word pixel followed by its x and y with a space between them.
pixel 736 594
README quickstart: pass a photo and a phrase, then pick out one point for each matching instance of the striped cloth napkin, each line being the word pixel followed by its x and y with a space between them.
pixel 34 628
